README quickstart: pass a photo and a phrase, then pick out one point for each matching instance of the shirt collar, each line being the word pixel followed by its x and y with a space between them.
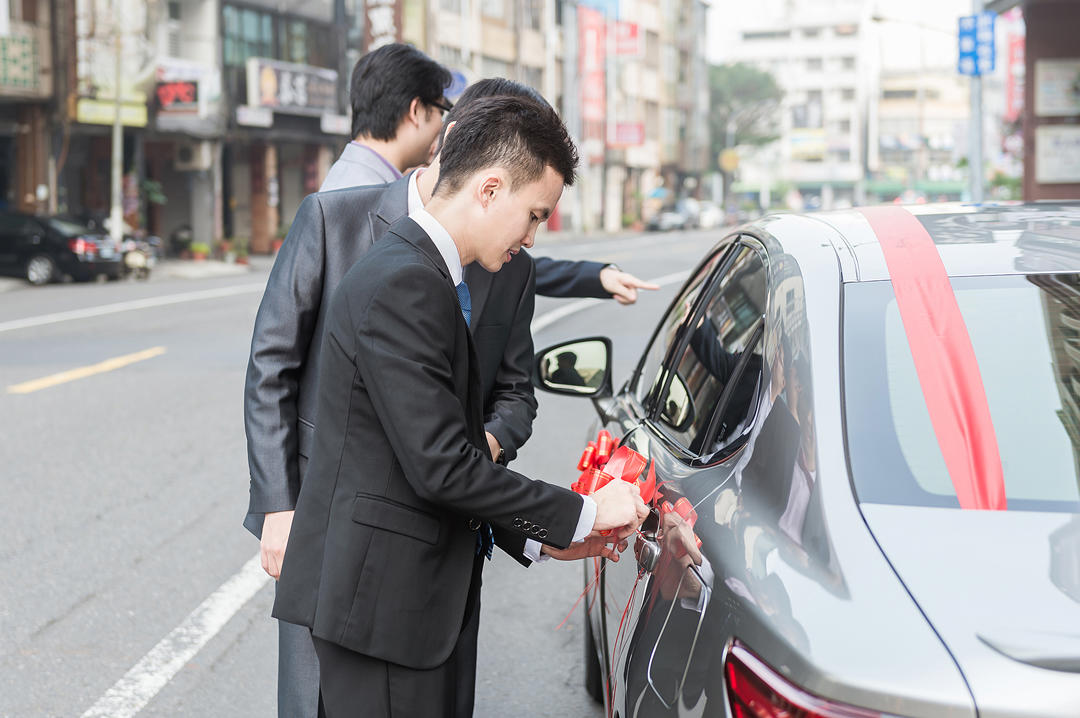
pixel 394 170
pixel 441 239
pixel 415 202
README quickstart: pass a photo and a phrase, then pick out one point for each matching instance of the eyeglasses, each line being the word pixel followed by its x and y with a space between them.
pixel 443 104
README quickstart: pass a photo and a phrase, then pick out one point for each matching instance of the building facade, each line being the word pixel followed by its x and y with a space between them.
pixel 233 110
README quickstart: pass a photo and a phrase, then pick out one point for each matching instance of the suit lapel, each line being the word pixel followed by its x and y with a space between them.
pixel 393 206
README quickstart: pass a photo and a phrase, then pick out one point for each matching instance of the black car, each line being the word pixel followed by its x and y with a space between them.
pixel 45 249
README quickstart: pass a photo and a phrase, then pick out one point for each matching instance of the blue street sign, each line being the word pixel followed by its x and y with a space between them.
pixel 610 8
pixel 975 41
pixel 458 83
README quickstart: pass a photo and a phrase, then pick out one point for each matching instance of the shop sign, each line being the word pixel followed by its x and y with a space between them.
pixel 383 23
pixel 248 116
pixel 100 112
pixel 1057 154
pixel 1014 78
pixel 807 144
pixel 591 26
pixel 628 39
pixel 628 134
pixel 332 124
pixel 180 97
pixel 1057 88
pixel 290 88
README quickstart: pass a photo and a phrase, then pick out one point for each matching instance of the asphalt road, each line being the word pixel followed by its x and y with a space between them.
pixel 124 485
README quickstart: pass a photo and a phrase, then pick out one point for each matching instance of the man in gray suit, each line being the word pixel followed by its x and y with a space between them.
pixel 396 94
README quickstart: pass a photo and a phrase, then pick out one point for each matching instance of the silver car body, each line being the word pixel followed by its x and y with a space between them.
pixel 904 610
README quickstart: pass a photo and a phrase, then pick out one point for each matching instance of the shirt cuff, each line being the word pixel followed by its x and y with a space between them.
pixel 586 519
pixel 533 553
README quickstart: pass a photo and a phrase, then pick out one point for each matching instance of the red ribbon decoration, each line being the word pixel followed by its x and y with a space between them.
pixel 944 357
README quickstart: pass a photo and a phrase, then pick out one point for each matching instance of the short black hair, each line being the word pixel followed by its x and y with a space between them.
pixel 384 83
pixel 517 133
pixel 488 87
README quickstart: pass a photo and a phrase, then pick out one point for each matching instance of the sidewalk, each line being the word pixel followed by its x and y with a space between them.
pixel 202 269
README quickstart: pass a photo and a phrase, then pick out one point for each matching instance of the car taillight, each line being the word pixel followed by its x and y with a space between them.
pixel 82 245
pixel 757 691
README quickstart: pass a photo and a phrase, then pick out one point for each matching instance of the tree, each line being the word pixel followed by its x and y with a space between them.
pixel 744 105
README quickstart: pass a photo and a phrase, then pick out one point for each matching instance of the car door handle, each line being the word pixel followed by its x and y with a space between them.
pixel 648 554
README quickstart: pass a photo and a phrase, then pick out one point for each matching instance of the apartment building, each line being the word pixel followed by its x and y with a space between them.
pixel 628 77
pixel 823 56
pixel 26 87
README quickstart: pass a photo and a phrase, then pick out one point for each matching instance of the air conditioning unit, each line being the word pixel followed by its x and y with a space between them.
pixel 194 155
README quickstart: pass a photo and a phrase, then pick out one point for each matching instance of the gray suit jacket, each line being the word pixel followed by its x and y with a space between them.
pixel 332 230
pixel 357 167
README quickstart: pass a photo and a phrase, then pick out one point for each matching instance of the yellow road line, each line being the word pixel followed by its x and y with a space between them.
pixel 82 372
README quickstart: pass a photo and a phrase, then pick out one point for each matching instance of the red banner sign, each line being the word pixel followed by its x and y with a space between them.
pixel 178 96
pixel 591 57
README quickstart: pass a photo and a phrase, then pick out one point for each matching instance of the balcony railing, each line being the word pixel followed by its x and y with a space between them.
pixel 25 62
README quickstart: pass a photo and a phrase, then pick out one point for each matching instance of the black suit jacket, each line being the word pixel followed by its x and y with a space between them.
pixel 380 555
pixel 331 231
pixel 563 278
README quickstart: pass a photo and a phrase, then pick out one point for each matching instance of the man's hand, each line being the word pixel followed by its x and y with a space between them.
pixel 493 446
pixel 591 546
pixel 622 285
pixel 619 506
pixel 275 536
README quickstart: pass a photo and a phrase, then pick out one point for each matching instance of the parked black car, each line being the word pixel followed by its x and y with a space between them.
pixel 45 249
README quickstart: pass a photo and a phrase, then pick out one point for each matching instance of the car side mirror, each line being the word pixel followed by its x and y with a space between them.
pixel 581 367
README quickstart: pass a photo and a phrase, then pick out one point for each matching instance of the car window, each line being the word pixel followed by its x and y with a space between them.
pixel 67 228
pixel 724 347
pixel 668 331
pixel 13 224
pixel 1024 330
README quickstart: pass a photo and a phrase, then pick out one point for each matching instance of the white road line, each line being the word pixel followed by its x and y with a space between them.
pixel 130 306
pixel 546 319
pixel 153 672
pixel 132 692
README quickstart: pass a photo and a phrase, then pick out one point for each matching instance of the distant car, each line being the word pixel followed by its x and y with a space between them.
pixel 45 249
pixel 864 433
pixel 710 215
pixel 668 219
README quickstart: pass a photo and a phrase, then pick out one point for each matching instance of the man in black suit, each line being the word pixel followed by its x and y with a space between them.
pixel 391 525
pixel 332 230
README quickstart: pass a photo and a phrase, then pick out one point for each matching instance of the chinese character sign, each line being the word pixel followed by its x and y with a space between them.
pixel 291 88
pixel 975 41
pixel 383 23
pixel 592 54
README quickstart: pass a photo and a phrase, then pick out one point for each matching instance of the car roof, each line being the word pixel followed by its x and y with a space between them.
pixel 973 240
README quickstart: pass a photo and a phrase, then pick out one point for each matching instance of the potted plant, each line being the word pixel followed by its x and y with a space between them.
pixel 240 248
pixel 200 251
pixel 282 232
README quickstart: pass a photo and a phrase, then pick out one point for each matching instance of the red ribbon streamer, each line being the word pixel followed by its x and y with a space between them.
pixel 944 357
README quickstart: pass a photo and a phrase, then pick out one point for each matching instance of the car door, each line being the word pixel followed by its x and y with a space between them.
pixel 10 233
pixel 697 412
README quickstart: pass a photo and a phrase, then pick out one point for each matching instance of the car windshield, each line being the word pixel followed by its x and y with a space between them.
pixel 1026 334
pixel 67 228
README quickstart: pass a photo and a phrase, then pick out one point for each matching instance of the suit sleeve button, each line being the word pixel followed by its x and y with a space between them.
pixel 517 523
pixel 542 533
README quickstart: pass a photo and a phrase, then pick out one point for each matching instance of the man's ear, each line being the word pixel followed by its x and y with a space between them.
pixel 489 186
pixel 415 108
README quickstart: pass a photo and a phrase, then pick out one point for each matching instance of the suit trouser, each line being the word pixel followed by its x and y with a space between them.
pixel 298 673
pixel 357 686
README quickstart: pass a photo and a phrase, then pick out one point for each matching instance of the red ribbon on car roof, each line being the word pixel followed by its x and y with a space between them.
pixel 944 357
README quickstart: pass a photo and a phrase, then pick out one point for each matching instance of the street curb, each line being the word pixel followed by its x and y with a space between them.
pixel 189 269
pixel 6 285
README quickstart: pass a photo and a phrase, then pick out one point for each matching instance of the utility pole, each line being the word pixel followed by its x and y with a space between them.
pixel 975 159
pixel 116 215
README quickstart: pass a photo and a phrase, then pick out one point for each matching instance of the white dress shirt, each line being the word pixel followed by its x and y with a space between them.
pixel 449 252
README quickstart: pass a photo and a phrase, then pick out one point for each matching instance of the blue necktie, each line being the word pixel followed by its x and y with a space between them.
pixel 465 299
pixel 485 539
